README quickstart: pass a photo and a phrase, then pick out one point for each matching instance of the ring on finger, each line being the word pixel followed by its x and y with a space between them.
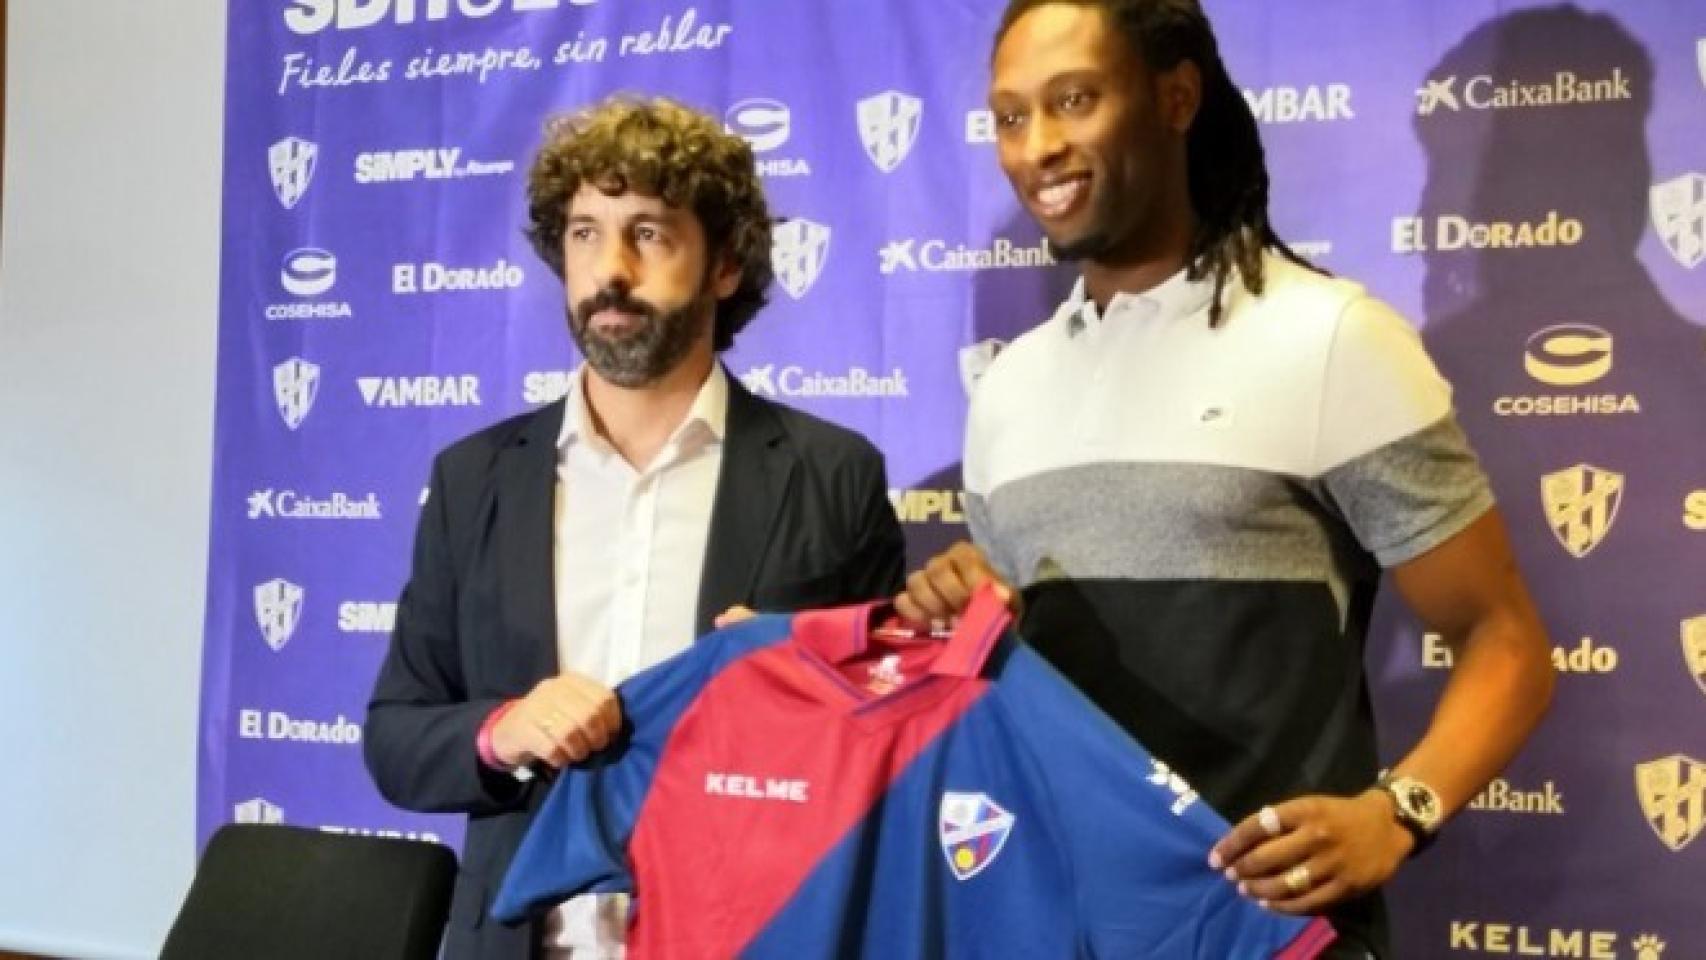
pixel 1297 878
pixel 1269 818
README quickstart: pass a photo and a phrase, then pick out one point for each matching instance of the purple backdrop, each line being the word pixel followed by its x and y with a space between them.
pixel 1526 182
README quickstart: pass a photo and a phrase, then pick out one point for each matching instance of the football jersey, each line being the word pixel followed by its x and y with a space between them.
pixel 812 786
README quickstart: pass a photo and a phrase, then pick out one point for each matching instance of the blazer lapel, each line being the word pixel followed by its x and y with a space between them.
pixel 752 487
pixel 526 522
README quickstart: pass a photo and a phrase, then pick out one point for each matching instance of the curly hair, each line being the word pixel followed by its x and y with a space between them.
pixel 659 148
pixel 1226 167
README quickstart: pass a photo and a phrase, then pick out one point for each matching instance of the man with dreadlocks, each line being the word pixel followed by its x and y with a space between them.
pixel 1198 468
pixel 563 550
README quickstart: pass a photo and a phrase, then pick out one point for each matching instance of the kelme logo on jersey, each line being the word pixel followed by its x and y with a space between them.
pixel 972 829
pixel 1567 355
pixel 291 161
pixel 1182 794
pixel 278 610
pixel 1581 505
pixel 1694 648
pixel 888 126
pixel 1672 792
pixel 798 249
pixel 257 810
pixel 1678 208
pixel 295 384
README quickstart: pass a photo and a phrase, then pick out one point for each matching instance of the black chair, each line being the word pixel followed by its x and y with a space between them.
pixel 271 892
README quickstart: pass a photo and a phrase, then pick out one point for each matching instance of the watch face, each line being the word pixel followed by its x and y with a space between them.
pixel 1418 801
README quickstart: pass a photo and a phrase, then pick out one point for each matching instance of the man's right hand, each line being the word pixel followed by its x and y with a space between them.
pixel 564 720
pixel 940 591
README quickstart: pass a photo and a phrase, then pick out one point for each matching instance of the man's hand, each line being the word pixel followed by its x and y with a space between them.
pixel 944 587
pixel 1308 854
pixel 732 616
pixel 564 720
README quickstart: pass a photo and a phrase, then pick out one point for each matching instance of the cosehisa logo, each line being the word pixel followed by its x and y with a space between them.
pixel 1563 89
pixel 312 16
pixel 888 127
pixel 798 251
pixel 308 272
pixel 766 126
pixel 1567 355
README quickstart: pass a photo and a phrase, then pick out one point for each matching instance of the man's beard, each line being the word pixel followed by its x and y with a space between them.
pixel 651 348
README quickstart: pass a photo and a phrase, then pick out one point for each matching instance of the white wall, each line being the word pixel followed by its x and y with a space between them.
pixel 108 292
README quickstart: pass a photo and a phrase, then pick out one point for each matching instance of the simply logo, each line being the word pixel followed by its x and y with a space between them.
pixel 295 384
pixel 366 616
pixel 972 829
pixel 929 506
pixel 1581 505
pixel 1678 208
pixel 1672 792
pixel 794 381
pixel 292 162
pixel 1565 88
pixel 393 166
pixel 278 610
pixel 270 504
pixel 888 126
pixel 798 250
pixel 257 810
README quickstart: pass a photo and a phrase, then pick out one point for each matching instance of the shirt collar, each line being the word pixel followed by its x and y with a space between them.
pixel 708 417
pixel 1176 297
pixel 840 634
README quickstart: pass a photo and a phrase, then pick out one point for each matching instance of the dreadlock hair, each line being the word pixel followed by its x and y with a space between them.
pixel 659 148
pixel 1225 166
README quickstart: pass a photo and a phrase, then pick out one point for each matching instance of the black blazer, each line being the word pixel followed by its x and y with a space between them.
pixel 801 519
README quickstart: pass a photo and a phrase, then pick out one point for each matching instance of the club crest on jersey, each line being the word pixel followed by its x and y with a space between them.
pixel 888 126
pixel 1672 791
pixel 972 829
pixel 1694 648
pixel 1581 505
pixel 1678 208
pixel 798 249
pixel 291 162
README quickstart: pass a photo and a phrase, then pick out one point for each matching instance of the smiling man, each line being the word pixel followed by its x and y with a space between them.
pixel 564 550
pixel 1199 467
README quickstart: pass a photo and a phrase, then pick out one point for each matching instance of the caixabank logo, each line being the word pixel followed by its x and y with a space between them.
pixel 1581 505
pixel 1541 798
pixel 912 255
pixel 1567 356
pixel 852 383
pixel 1440 96
pixel 1505 938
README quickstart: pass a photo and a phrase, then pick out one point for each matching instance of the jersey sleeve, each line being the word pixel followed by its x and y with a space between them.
pixel 1390 458
pixel 578 841
pixel 1137 837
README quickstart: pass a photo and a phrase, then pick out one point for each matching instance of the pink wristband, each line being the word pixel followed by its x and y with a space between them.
pixel 483 739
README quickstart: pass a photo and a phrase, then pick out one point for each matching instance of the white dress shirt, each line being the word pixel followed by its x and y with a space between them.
pixel 629 549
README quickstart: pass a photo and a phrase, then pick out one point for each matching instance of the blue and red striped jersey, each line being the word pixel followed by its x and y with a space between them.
pixel 809 786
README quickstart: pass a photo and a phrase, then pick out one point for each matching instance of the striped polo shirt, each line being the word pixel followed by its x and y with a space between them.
pixel 1199 515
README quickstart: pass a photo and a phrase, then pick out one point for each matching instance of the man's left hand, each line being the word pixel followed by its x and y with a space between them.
pixel 1308 854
